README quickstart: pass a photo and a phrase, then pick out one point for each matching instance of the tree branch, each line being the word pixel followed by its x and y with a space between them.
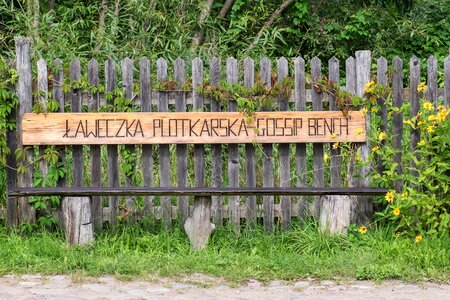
pixel 226 8
pixel 197 40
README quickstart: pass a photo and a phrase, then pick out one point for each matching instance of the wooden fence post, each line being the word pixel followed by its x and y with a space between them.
pixel 26 212
pixel 198 227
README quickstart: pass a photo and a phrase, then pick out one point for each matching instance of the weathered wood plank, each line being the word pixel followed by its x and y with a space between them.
pixel 77 151
pixel 267 155
pixel 233 158
pixel 382 66
pixel 58 95
pixel 335 211
pixel 96 164
pixel 11 173
pixel 193 191
pixel 147 150
pixel 432 76
pixel 25 211
pixel 300 149
pixel 250 152
pixel 397 118
pixel 112 150
pixel 414 80
pixel 180 106
pixel 283 150
pixel 191 128
pixel 127 81
pixel 364 204
pixel 216 149
pixel 77 220
pixel 42 86
pixel 318 163
pixel 164 154
pixel 447 81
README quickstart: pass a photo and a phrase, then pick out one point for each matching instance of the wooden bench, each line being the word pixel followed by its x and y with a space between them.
pixel 156 128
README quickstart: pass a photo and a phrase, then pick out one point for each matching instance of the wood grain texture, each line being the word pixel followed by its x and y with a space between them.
pixel 447 82
pixel 283 152
pixel 216 149
pixel 147 150
pixel 233 158
pixel 250 151
pixel 77 218
pixel 267 155
pixel 42 85
pixel 182 172
pixel 25 211
pixel 397 118
pixel 96 166
pixel 77 151
pixel 58 95
pixel 414 80
pixel 112 150
pixel 11 173
pixel 300 148
pixel 164 154
pixel 318 163
pixel 432 76
pixel 382 67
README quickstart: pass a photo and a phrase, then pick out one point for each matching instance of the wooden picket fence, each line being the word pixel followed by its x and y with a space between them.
pixel 284 165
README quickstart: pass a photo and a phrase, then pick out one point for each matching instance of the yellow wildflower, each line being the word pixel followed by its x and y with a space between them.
pixel 432 118
pixel 428 105
pixel 368 88
pixel 419 238
pixel 407 122
pixel 396 211
pixel 421 123
pixel 359 131
pixel 335 146
pixel 364 111
pixel 375 148
pixel 430 129
pixel 374 109
pixel 441 107
pixel 333 135
pixel 389 196
pixel 404 195
pixel 422 87
pixel 362 229
pixel 442 115
pixel 326 157
pixel 390 113
pixel 382 136
pixel 421 143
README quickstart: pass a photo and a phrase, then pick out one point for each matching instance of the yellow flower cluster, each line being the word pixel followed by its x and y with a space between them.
pixel 428 105
pixel 335 146
pixel 389 196
pixel 375 148
pixel 422 87
pixel 369 87
pixel 364 111
pixel 419 238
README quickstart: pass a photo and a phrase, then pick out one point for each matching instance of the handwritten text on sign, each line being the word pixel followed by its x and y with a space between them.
pixel 192 128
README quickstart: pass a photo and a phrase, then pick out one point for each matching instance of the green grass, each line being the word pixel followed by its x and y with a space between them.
pixel 132 252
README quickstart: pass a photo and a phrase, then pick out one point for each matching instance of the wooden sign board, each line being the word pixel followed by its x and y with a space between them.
pixel 192 128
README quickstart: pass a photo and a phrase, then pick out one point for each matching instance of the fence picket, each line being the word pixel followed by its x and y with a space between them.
pixel 112 150
pixel 164 154
pixel 414 80
pixel 318 163
pixel 382 66
pixel 432 74
pixel 233 159
pixel 11 173
pixel 96 174
pixel 250 153
pixel 300 148
pixel 268 201
pixel 77 151
pixel 58 95
pixel 447 82
pixel 180 106
pixel 147 150
pixel 42 85
pixel 216 149
pixel 397 118
pixel 283 150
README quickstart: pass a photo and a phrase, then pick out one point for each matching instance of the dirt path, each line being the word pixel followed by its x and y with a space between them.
pixel 76 287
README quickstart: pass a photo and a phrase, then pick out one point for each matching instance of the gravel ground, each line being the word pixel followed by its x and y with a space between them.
pixel 77 287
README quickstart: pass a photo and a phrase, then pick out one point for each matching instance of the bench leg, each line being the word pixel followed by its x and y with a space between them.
pixel 199 226
pixel 77 220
